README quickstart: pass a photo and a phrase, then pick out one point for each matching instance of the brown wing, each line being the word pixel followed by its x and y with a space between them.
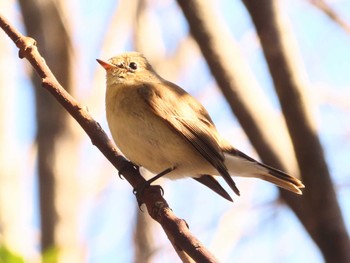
pixel 189 118
pixel 210 182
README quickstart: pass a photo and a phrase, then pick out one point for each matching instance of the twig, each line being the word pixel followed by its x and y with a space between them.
pixel 157 207
pixel 331 13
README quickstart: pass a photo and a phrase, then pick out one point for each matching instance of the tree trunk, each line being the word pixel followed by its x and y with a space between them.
pixel 57 145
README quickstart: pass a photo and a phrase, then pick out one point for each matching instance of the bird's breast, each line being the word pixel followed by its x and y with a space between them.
pixel 148 140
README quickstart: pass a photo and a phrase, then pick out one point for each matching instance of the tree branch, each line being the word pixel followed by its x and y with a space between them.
pixel 265 131
pixel 331 13
pixel 44 22
pixel 324 219
pixel 157 207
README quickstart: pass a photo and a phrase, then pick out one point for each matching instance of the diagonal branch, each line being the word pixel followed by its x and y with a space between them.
pixel 265 131
pixel 324 221
pixel 175 228
pixel 251 107
pixel 331 13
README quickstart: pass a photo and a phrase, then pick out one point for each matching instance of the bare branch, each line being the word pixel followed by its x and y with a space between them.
pixel 331 13
pixel 58 219
pixel 323 219
pixel 265 130
pixel 230 73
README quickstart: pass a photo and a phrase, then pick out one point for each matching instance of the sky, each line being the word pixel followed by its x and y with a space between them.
pixel 255 222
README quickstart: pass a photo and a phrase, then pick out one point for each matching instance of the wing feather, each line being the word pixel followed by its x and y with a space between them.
pixel 189 118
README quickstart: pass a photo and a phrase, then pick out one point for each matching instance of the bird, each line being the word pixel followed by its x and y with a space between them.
pixel 159 126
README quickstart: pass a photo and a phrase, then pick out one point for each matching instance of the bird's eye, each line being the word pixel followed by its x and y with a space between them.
pixel 133 65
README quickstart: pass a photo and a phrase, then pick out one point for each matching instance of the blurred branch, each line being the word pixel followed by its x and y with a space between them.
pixel 175 228
pixel 144 247
pixel 263 126
pixel 231 73
pixel 331 13
pixel 147 32
pixel 148 40
pixel 323 219
pixel 265 130
pixel 57 183
pixel 116 36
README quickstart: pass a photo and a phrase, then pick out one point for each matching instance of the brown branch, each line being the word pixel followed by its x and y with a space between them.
pixel 331 13
pixel 43 21
pixel 228 68
pixel 236 82
pixel 157 207
pixel 247 102
pixel 323 219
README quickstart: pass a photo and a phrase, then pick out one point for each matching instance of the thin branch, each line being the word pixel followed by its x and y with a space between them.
pixel 157 207
pixel 331 13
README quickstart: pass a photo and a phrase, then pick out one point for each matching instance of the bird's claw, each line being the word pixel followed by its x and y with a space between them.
pixel 122 169
pixel 120 175
pixel 139 190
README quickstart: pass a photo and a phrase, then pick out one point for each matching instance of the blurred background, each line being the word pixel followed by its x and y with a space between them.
pixel 274 76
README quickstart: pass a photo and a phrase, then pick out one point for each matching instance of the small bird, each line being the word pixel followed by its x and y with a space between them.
pixel 159 126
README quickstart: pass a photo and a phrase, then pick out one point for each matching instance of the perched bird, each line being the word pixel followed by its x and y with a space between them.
pixel 159 126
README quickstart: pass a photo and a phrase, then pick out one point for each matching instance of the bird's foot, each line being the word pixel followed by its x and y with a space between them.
pixel 124 168
pixel 138 191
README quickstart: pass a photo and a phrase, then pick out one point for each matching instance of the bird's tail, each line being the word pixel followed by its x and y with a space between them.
pixel 240 164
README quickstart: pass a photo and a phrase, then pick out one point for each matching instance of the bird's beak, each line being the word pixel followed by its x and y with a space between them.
pixel 106 65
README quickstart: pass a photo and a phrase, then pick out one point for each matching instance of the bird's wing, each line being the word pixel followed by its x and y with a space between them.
pixel 189 118
pixel 213 184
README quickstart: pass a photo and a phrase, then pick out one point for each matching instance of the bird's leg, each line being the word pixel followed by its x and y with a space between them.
pixel 141 187
pixel 138 191
pixel 161 174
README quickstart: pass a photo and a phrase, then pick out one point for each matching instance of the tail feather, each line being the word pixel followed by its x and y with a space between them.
pixel 240 164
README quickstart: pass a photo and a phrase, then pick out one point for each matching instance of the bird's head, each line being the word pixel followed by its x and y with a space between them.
pixel 128 67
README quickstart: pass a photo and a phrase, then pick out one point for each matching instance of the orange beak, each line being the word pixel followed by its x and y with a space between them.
pixel 106 65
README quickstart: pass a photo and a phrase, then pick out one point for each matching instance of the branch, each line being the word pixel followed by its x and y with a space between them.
pixel 253 112
pixel 331 13
pixel 324 220
pixel 265 131
pixel 175 228
pixel 42 20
